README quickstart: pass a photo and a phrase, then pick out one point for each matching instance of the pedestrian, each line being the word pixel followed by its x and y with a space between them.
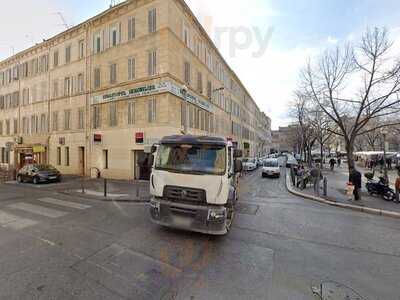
pixel 317 176
pixel 389 163
pixel 355 179
pixel 397 185
pixel 332 163
pixel 300 175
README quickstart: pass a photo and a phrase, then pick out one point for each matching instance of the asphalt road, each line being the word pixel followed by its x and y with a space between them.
pixel 54 246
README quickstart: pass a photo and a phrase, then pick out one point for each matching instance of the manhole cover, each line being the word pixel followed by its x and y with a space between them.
pixel 247 209
pixel 335 291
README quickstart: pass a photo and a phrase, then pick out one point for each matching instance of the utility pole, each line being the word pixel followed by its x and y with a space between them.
pixel 185 109
pixel 384 134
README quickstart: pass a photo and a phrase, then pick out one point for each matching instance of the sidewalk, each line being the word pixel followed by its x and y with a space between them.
pixel 117 190
pixel 337 181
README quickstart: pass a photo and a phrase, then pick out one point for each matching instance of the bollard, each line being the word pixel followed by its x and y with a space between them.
pixel 137 191
pixel 83 184
pixel 325 187
pixel 105 187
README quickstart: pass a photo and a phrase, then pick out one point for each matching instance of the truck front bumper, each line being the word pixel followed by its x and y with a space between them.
pixel 209 219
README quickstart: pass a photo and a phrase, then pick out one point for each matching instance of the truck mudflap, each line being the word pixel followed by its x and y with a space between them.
pixel 209 219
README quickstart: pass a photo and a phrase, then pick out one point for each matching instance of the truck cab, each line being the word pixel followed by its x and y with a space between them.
pixel 194 183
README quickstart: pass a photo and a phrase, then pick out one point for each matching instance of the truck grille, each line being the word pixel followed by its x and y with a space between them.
pixel 185 195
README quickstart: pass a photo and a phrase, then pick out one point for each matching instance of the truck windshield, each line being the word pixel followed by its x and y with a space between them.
pixel 207 159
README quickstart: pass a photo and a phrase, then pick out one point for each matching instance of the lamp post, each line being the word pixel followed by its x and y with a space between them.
pixel 185 110
pixel 384 134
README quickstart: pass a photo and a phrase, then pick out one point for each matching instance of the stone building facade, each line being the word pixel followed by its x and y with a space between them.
pixel 93 97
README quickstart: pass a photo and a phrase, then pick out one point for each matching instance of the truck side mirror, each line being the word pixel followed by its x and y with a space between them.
pixel 150 160
pixel 237 153
pixel 238 166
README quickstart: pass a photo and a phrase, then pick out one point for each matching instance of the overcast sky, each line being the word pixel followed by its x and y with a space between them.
pixel 290 31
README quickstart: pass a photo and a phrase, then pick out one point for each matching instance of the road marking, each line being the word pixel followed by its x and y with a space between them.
pixel 14 222
pixel 64 203
pixel 39 210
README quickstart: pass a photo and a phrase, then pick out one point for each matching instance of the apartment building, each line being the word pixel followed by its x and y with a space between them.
pixel 92 98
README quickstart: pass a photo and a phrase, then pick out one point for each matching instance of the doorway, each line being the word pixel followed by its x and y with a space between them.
pixel 140 168
pixel 82 167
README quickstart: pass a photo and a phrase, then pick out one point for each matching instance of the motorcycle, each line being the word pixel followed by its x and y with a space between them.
pixel 380 188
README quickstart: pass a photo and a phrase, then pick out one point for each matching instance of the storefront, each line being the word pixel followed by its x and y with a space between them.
pixel 27 154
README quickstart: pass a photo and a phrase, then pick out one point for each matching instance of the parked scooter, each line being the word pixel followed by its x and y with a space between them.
pixel 380 188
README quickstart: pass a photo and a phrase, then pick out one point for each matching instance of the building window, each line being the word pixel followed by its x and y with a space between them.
pixel 196 118
pixel 187 73
pixel 131 113
pixel 114 35
pixel 200 82
pixel 67 119
pixel 112 116
pixel 113 73
pixel 152 20
pixel 55 88
pixel 55 121
pixel 67 86
pixel 105 159
pixel 8 130
pixel 209 90
pixel 67 54
pixel 191 116
pixel 81 118
pixel 33 124
pixel 186 35
pixel 25 125
pixel 97 78
pixel 25 96
pixel 81 83
pixel 59 156
pixel 96 117
pixel 15 127
pixel 131 28
pixel 131 68
pixel 152 65
pixel 67 156
pixel 43 127
pixel 152 110
pixel 55 58
pixel 81 46
pixel 97 43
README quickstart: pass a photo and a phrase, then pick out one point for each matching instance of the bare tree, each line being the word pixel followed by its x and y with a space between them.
pixel 330 84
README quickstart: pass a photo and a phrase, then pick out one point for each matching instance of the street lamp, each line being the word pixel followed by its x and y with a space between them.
pixel 185 109
pixel 384 134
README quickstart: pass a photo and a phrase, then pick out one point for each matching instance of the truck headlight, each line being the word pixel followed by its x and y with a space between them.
pixel 216 215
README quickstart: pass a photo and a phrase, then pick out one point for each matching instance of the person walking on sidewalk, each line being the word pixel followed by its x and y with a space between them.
pixel 332 163
pixel 339 162
pixel 397 185
pixel 355 179
pixel 316 176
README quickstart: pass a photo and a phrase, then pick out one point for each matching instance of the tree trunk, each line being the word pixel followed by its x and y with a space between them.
pixel 350 155
pixel 322 153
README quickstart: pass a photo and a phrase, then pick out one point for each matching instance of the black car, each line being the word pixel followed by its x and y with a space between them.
pixel 38 173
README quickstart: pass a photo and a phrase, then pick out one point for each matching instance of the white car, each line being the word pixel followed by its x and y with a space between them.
pixel 249 164
pixel 271 168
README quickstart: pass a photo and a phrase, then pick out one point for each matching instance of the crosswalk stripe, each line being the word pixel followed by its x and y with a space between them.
pixel 39 210
pixel 14 222
pixel 64 203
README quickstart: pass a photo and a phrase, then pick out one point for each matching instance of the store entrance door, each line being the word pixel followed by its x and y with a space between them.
pixel 140 165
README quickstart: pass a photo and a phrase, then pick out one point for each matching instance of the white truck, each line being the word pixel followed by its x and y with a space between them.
pixel 194 183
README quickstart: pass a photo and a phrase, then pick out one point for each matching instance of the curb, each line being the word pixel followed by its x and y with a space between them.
pixel 368 210
pixel 103 199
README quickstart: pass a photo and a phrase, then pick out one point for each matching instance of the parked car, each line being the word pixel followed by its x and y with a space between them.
pixel 249 164
pixel 291 161
pixel 271 168
pixel 37 173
